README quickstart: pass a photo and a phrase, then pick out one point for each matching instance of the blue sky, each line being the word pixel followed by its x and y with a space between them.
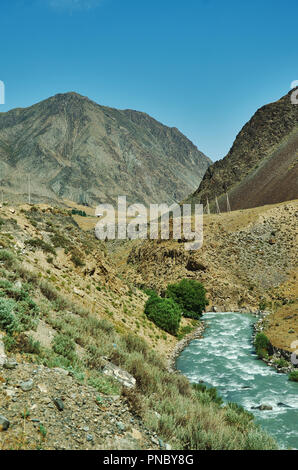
pixel 203 66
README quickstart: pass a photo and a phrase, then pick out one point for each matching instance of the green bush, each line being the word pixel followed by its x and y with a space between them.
pixel 165 313
pixel 64 346
pixel 281 362
pixel 7 257
pixel 262 345
pixel 8 320
pixel 190 295
pixel 293 376
pixel 78 212
pixel 18 312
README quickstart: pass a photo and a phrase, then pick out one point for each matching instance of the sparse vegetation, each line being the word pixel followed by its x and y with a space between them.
pixel 42 245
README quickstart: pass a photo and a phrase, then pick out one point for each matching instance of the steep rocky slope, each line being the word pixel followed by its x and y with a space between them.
pixel 261 167
pixel 76 149
pixel 46 408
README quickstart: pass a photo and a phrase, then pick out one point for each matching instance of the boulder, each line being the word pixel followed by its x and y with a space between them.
pixel 4 423
pixel 3 357
pixel 121 375
pixel 27 385
pixel 194 265
pixel 10 364
pixel 262 407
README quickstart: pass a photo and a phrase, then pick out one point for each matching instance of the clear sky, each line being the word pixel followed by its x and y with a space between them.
pixel 204 66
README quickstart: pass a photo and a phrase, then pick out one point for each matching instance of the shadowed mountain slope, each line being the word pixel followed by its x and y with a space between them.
pixel 261 167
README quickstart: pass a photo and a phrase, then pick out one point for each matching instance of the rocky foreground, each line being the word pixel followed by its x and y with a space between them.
pixel 43 408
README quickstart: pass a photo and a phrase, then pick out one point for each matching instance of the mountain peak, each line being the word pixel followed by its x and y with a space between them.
pixel 76 149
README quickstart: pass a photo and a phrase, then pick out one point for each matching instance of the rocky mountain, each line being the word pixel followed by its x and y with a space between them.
pixel 261 167
pixel 75 149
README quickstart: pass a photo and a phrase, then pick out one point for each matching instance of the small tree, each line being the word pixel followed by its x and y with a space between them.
pixel 165 313
pixel 262 345
pixel 190 295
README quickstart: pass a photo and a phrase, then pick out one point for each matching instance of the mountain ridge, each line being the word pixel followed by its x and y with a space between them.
pixel 261 166
pixel 77 149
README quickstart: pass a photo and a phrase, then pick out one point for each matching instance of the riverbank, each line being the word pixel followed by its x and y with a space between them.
pixel 278 356
pixel 196 334
pixel 181 345
pixel 274 360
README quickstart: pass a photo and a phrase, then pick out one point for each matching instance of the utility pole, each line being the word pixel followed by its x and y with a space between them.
pixel 228 204
pixel 29 190
pixel 217 205
pixel 208 208
pixel 2 194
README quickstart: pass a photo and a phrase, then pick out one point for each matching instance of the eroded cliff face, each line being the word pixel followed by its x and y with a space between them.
pixel 76 149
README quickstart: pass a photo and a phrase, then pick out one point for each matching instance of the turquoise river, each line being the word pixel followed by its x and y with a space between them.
pixel 225 359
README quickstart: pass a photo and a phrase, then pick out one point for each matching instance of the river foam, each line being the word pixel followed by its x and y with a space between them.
pixel 225 359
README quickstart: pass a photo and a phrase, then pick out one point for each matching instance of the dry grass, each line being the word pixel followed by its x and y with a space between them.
pixel 282 328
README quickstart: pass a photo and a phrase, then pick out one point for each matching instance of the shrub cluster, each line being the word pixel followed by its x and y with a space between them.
pixel 262 345
pixel 78 212
pixel 165 313
pixel 18 311
pixel 64 346
pixel 293 376
pixel 190 295
pixel 187 298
